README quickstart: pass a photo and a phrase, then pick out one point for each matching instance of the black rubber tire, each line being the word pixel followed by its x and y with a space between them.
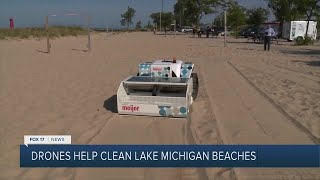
pixel 154 90
pixel 299 38
pixel 195 90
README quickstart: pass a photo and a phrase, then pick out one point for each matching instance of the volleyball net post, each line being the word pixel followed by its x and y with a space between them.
pixel 88 29
pixel 47 34
pixel 71 14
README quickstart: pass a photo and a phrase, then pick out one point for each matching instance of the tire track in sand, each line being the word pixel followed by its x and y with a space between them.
pixel 229 91
pixel 93 131
pixel 202 128
pixel 278 107
pixel 73 172
pixel 193 135
pixel 172 173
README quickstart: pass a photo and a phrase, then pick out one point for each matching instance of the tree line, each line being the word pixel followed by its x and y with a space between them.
pixel 190 13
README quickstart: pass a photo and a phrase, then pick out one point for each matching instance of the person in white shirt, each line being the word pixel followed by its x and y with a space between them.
pixel 269 33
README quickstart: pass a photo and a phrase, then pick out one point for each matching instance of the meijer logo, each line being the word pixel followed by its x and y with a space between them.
pixel 157 68
pixel 131 108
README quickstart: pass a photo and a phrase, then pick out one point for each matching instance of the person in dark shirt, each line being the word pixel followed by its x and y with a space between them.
pixel 208 31
pixel 193 31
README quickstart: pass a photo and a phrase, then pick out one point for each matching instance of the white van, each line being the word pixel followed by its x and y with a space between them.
pixel 297 29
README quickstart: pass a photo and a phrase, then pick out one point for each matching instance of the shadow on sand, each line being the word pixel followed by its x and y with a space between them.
pixel 111 104
pixel 313 63
pixel 241 42
pixel 304 52
pixel 40 51
pixel 310 63
pixel 203 37
pixel 83 50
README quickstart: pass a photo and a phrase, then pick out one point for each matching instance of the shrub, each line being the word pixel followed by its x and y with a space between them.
pixel 38 32
pixel 234 33
pixel 304 41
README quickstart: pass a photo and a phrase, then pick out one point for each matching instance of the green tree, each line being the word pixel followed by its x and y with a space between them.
pixel 166 18
pixel 309 8
pixel 236 16
pixel 257 16
pixel 139 25
pixel 194 10
pixel 284 10
pixel 127 17
pixel 149 26
pixel 219 21
pixel 178 11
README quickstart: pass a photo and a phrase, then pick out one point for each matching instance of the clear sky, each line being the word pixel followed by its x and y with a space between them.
pixel 102 12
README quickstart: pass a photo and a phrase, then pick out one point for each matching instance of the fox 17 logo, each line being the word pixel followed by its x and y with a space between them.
pixel 35 139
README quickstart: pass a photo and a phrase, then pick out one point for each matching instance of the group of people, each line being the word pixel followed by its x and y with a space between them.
pixel 208 30
pixel 268 34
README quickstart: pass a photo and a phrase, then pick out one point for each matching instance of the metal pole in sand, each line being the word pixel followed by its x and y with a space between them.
pixel 47 31
pixel 225 28
pixel 88 28
pixel 160 15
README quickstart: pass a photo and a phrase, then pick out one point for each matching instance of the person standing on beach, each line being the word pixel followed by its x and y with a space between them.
pixel 269 33
pixel 193 31
pixel 199 33
pixel 208 31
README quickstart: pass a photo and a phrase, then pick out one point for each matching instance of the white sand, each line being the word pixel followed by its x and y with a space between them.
pixel 247 96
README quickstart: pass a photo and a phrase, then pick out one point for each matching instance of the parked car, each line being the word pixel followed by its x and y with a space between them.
pixel 243 32
pixel 220 31
pixel 217 31
pixel 186 29
pixel 251 32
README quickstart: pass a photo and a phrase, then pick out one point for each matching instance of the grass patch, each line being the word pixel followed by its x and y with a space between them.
pixel 55 31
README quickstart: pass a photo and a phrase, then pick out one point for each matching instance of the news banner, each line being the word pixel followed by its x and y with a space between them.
pixel 57 151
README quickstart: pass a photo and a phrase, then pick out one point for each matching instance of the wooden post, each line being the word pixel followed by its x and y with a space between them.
pixel 175 24
pixel 107 28
pixel 180 21
pixel 225 28
pixel 47 32
pixel 89 40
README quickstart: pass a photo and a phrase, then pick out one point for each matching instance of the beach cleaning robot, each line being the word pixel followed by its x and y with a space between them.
pixel 161 88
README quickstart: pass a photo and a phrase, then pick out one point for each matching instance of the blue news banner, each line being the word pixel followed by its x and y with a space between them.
pixel 170 156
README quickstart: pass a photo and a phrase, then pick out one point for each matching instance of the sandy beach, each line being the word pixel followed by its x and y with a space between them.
pixel 246 96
